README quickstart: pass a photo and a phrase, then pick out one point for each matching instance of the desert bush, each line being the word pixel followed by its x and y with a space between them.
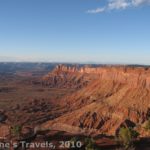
pixel 126 136
pixel 134 133
pixel 74 139
pixel 130 148
pixel 147 125
pixel 89 144
pixel 16 130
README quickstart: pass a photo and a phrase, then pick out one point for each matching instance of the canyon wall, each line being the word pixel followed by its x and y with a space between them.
pixel 111 97
pixel 127 75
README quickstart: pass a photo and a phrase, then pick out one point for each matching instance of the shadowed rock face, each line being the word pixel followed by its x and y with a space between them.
pixel 107 96
pixel 3 117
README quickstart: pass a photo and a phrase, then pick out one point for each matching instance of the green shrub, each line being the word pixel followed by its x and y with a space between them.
pixel 147 125
pixel 89 144
pixel 134 133
pixel 130 148
pixel 126 136
pixel 16 130
pixel 74 139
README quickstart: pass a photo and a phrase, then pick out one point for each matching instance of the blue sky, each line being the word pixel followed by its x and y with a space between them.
pixel 101 31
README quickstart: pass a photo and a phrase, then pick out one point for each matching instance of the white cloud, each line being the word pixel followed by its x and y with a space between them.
pixel 140 2
pixel 95 11
pixel 119 4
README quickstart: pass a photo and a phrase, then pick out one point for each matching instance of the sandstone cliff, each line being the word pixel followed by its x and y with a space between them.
pixel 108 96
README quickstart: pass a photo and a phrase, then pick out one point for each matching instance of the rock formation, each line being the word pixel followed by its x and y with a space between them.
pixel 105 97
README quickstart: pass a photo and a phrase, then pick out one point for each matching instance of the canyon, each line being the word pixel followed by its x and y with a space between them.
pixel 105 98
pixel 73 100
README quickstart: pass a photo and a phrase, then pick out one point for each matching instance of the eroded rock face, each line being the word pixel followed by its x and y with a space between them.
pixel 64 75
pixel 110 96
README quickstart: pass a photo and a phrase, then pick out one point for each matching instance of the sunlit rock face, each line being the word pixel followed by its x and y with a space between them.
pixel 132 76
pixel 105 98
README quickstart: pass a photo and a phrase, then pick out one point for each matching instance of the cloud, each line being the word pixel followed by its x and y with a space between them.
pixel 140 2
pixel 119 4
pixel 95 11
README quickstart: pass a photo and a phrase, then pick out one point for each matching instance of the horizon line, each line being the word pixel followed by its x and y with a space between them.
pixel 86 63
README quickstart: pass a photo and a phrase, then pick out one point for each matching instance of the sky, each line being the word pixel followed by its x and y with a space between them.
pixel 96 31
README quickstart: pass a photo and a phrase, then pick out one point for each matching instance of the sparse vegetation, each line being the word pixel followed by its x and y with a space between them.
pixel 126 136
pixel 130 148
pixel 147 125
pixel 89 144
pixel 16 130
pixel 74 139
